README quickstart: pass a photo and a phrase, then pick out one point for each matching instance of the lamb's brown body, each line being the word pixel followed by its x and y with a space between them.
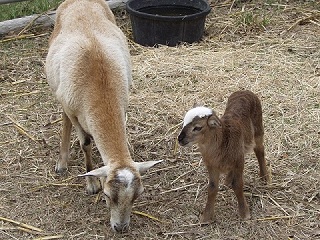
pixel 223 144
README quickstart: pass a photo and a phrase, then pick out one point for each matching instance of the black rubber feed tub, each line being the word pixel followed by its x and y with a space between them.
pixel 167 22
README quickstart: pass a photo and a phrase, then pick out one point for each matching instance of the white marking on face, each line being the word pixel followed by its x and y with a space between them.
pixel 125 175
pixel 196 112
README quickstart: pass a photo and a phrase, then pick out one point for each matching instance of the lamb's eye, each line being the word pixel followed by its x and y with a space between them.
pixel 197 129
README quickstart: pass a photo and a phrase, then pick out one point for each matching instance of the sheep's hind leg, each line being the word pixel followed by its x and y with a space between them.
pixel 260 154
pixel 62 163
pixel 207 215
pixel 237 186
pixel 229 179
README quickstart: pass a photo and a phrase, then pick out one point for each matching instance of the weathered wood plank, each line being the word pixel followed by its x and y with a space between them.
pixel 48 20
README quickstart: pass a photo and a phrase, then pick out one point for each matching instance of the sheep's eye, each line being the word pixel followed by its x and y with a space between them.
pixel 197 128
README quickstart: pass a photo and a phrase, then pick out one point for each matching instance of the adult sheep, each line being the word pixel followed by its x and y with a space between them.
pixel 88 69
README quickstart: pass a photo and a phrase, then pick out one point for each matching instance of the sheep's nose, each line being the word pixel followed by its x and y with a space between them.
pixel 181 136
pixel 121 228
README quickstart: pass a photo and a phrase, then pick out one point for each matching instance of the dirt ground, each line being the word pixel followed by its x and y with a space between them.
pixel 269 47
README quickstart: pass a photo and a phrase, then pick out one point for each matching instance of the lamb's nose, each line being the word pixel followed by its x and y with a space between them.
pixel 181 136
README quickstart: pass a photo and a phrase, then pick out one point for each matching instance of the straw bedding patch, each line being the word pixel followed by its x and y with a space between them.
pixel 280 62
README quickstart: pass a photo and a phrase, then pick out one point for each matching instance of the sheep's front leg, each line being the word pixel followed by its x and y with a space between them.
pixel 93 183
pixel 213 187
pixel 61 164
pixel 237 186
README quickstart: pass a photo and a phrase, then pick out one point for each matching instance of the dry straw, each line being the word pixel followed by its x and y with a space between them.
pixel 276 56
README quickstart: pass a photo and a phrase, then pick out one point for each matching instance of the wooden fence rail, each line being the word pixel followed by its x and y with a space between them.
pixel 11 1
pixel 45 20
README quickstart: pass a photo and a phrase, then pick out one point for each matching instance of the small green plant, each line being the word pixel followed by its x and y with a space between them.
pixel 20 9
pixel 249 21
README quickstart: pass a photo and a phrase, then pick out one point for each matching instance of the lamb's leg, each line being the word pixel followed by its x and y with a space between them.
pixel 260 154
pixel 61 164
pixel 213 186
pixel 93 183
pixel 229 179
pixel 237 186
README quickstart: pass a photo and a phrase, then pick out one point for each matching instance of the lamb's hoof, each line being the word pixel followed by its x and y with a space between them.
pixel 93 185
pixel 266 179
pixel 245 216
pixel 205 220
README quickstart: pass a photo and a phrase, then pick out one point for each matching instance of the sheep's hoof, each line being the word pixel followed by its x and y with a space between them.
pixel 61 168
pixel 93 185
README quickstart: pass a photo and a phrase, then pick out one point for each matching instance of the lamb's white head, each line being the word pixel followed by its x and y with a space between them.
pixel 199 112
pixel 195 123
pixel 121 187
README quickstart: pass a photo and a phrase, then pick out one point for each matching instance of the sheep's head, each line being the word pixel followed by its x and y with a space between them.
pixel 196 122
pixel 121 187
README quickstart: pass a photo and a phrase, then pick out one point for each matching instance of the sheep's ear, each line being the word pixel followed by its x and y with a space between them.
pixel 99 172
pixel 214 121
pixel 142 167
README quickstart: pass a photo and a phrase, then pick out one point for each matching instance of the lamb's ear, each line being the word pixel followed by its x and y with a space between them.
pixel 99 172
pixel 197 104
pixel 142 167
pixel 214 121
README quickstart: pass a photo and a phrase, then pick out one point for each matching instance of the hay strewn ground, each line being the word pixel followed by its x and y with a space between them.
pixel 280 62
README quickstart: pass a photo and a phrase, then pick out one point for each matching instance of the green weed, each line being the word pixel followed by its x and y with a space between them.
pixel 20 9
pixel 248 21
